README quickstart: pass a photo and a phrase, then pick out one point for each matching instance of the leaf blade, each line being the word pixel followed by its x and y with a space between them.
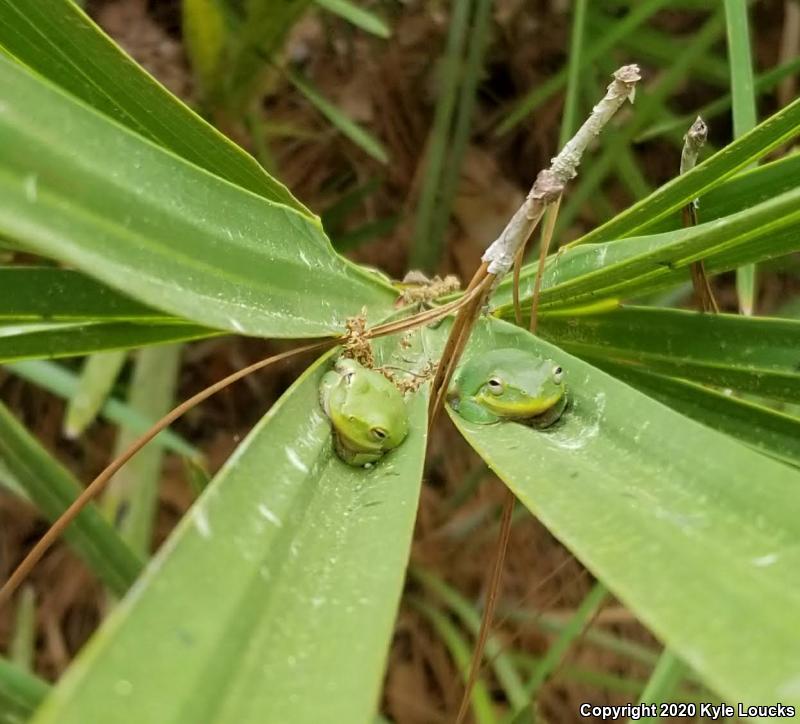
pixel 267 589
pixel 769 134
pixel 689 538
pixel 51 488
pixel 58 40
pixel 134 216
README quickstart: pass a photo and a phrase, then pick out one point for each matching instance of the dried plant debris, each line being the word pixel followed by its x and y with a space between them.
pixel 417 288
pixel 357 345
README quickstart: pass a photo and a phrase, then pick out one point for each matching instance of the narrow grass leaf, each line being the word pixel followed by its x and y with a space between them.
pixel 10 484
pixel 52 488
pixel 259 35
pixel 425 249
pixel 600 47
pixel 462 131
pixel 555 652
pixel 51 341
pixel 204 28
pixel 650 102
pixel 495 654
pixel 758 354
pixel 23 636
pixel 63 383
pixel 569 116
pixel 20 693
pixel 49 294
pixel 360 17
pixel 600 679
pixel 669 198
pixel 665 679
pixel 651 46
pixel 744 116
pixel 678 124
pixel 99 373
pixel 460 651
pixel 345 125
pixel 131 498
pixel 768 431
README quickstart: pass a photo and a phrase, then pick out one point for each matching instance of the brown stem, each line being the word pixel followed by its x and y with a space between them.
pixel 547 235
pixel 491 602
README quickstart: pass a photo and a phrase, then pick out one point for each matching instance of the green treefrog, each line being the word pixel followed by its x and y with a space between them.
pixel 367 411
pixel 509 384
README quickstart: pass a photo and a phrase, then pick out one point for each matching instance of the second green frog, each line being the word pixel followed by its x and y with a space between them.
pixel 509 384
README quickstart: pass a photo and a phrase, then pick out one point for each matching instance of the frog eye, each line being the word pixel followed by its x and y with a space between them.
pixel 348 378
pixel 495 385
pixel 378 433
pixel 558 374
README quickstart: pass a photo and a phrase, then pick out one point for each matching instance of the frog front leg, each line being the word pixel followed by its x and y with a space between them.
pixel 550 417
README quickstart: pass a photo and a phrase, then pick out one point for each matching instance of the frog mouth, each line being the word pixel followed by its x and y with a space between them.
pixel 523 409
pixel 356 446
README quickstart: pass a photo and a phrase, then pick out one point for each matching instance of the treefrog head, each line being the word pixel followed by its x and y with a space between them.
pixel 510 384
pixel 367 411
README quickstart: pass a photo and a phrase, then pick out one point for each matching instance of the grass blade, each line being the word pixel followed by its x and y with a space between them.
pixel 52 489
pixel 253 45
pixel 768 431
pixel 368 21
pixel 347 127
pixel 467 98
pixel 744 116
pixel 20 693
pixel 459 650
pixel 666 677
pixel 23 641
pixel 569 116
pixel 63 383
pixel 204 26
pixel 425 250
pixel 97 377
pixel 547 665
pixel 764 82
pixel 669 198
pixel 131 496
pixel 649 104
pixel 533 99
pixel 494 653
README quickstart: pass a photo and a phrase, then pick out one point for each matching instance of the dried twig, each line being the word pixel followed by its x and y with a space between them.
pixel 497 261
pixel 693 141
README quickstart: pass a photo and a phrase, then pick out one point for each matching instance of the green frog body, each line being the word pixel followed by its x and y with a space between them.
pixel 509 384
pixel 367 412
